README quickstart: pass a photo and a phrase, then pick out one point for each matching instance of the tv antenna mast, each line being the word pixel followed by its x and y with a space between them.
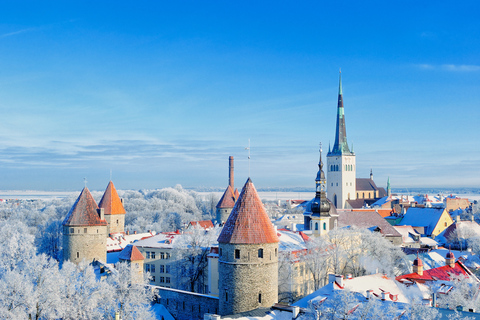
pixel 248 148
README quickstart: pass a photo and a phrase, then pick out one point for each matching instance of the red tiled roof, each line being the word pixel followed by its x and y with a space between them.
pixel 205 224
pixel 236 193
pixel 131 253
pixel 84 212
pixel 440 273
pixel 111 202
pixel 248 223
pixel 228 199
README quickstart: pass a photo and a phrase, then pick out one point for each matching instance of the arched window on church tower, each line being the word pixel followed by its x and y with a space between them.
pixel 324 226
pixel 316 225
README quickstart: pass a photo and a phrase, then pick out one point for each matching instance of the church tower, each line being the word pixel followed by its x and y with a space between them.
pixel 341 182
pixel 320 216
pixel 248 257
pixel 85 231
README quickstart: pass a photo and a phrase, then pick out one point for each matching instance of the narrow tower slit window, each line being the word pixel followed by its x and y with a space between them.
pixel 237 253
pixel 259 298
pixel 260 253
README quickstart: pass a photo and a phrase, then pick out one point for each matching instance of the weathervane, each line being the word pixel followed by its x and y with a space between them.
pixel 85 181
pixel 248 148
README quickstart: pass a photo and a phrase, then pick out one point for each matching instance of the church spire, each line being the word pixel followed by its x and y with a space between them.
pixel 340 146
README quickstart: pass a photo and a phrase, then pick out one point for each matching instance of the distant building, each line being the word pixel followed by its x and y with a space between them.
pixel 428 222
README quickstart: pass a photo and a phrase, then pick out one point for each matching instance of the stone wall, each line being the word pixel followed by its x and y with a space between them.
pixel 116 223
pixel 249 281
pixel 222 214
pixel 184 305
pixel 84 242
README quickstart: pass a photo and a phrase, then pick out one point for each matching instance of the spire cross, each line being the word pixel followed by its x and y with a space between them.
pixel 85 181
pixel 248 148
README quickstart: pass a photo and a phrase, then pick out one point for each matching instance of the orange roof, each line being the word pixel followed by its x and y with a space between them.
pixel 111 202
pixel 205 224
pixel 228 199
pixel 131 253
pixel 236 193
pixel 84 212
pixel 248 223
pixel 383 212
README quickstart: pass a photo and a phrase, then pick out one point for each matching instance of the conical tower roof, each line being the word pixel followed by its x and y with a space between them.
pixel 131 253
pixel 111 202
pixel 228 199
pixel 84 212
pixel 248 223
pixel 340 146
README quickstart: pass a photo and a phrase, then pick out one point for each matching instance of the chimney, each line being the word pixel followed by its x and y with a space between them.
pixel 101 213
pixel 349 276
pixel 339 280
pixel 369 294
pixel 128 232
pixel 230 172
pixel 434 300
pixel 295 312
pixel 331 277
pixel 418 266
pixel 450 259
pixel 385 295
pixel 134 232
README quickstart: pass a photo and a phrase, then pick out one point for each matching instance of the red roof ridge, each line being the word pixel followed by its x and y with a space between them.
pixel 131 253
pixel 111 202
pixel 248 222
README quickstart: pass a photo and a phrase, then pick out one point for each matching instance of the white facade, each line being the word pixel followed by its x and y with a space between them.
pixel 341 179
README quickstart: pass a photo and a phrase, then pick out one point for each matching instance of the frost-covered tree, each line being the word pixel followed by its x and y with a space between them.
pixel 465 293
pixel 128 296
pixel 190 256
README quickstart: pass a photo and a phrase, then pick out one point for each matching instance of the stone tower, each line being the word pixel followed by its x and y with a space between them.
pixel 320 215
pixel 131 255
pixel 341 162
pixel 113 209
pixel 85 231
pixel 226 203
pixel 248 257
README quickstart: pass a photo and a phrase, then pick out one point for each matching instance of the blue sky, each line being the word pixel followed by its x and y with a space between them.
pixel 162 92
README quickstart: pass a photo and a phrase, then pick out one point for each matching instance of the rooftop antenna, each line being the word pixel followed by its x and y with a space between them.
pixel 248 148
pixel 85 181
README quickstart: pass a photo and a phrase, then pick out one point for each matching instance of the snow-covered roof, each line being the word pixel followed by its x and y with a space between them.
pixel 161 240
pixel 422 217
pixel 118 241
pixel 377 282
pixel 290 241
pixel 407 232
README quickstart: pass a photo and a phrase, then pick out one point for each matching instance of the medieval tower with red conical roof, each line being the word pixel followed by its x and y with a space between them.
pixel 248 257
pixel 113 209
pixel 85 231
pixel 227 202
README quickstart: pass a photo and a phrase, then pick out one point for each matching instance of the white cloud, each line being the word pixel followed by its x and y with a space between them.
pixel 450 67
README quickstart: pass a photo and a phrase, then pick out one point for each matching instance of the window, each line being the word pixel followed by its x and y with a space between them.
pixel 162 279
pixel 153 254
pixel 162 268
pixel 78 254
pixel 167 269
pixel 226 295
pixel 446 224
pixel 276 250
pixel 167 255
pixel 72 230
pixel 167 279
pixel 153 278
pixel 147 267
pixel 259 298
pixel 148 254
pixel 337 184
pixel 117 222
pixel 84 230
pixel 324 226
pixel 260 253
pixel 237 254
pixel 152 268
pixel 220 252
pixel 316 225
pixel 162 255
